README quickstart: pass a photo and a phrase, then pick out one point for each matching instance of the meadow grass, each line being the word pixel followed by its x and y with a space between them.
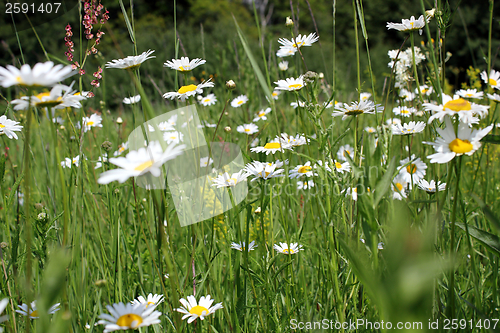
pixel 371 245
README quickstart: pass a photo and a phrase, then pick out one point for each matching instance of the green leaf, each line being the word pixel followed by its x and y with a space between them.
pixel 490 241
pixel 255 66
pixel 495 221
pixel 384 184
pixel 2 168
pixel 490 138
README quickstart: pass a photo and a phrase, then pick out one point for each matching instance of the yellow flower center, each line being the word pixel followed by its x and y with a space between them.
pixel 206 100
pixel 181 68
pixel 186 89
pixel 304 169
pixel 129 320
pixel 150 303
pixel 34 314
pixel 247 130
pixel 295 86
pixel 275 94
pixel 198 310
pixel 299 44
pixel 469 95
pixel 460 146
pixel 272 145
pixel 399 186
pixel 492 82
pixel 405 111
pixel 338 165
pixel 354 112
pixel 2 126
pixel 287 251
pixel 232 181
pixel 262 114
pixel 240 102
pixel 90 123
pixel 141 167
pixel 412 168
pixel 346 152
pixel 424 91
pixel 457 105
pixel 264 174
pixel 20 80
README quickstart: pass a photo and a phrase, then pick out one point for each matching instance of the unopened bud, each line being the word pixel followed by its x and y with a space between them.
pixel 119 120
pixel 100 283
pixel 3 245
pixel 258 210
pixel 106 145
pixel 289 22
pixel 230 85
pixel 38 206
pixel 227 129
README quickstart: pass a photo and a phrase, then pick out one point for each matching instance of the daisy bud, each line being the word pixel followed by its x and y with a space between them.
pixel 106 145
pixel 42 216
pixel 230 85
pixel 38 206
pixel 258 210
pixel 119 120
pixel 289 22
pixel 321 75
pixel 3 245
pixel 62 127
pixel 227 129
pixel 100 283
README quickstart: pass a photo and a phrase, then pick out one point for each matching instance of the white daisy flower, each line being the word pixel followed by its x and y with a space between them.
pixel 121 149
pixel 289 141
pixel 210 99
pixel 305 185
pixel 263 170
pixel 8 127
pixel 408 25
pixel 430 187
pixel 357 108
pixel 344 151
pixel 399 186
pixel 290 84
pixel 404 111
pixel 283 248
pixel 3 305
pixel 353 193
pixel 137 163
pixel 393 121
pixel 132 100
pixel 206 161
pixel 227 180
pixel 271 147
pixel 194 310
pixel 412 171
pixel 59 97
pixel 248 129
pixel 424 90
pixel 295 105
pixel 494 97
pixel 286 52
pixel 100 160
pixel 93 121
pixel 173 137
pixel 456 105
pixel 31 311
pixel 241 246
pixel 183 64
pixel 406 95
pixel 43 75
pixel 128 316
pixel 262 114
pixel 239 101
pixel 370 130
pixel 275 94
pixel 364 96
pixel 330 104
pixel 450 145
pixel 254 143
pixel 69 162
pixel 130 62
pixel 342 167
pixel 408 128
pixel 302 170
pixel 493 80
pixel 320 165
pixel 283 65
pixel 470 93
pixel 298 41
pixel 152 300
pixel 190 90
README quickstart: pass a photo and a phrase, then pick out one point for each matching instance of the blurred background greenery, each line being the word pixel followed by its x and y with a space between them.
pixel 206 30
